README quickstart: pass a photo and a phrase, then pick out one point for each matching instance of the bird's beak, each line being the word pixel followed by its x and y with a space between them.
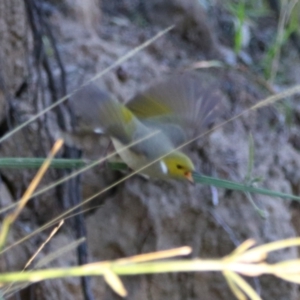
pixel 189 177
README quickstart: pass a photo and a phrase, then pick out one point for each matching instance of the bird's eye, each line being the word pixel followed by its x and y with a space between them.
pixel 179 167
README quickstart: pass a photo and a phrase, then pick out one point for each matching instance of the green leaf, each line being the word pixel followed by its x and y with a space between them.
pixel 241 187
pixel 34 163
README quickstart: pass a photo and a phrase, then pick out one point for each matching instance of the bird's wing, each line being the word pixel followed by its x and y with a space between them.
pixel 98 111
pixel 177 106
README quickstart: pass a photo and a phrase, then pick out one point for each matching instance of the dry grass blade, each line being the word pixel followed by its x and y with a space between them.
pixel 288 270
pixel 289 266
pixel 140 264
pixel 279 96
pixel 205 64
pixel 44 261
pixel 53 232
pixel 114 282
pixel 285 14
pixel 288 277
pixel 243 286
pixel 38 177
pixel 54 255
pixel 232 285
pixel 251 269
pixel 243 247
pixel 240 253
pixel 263 250
pixel 156 255
pixel 9 220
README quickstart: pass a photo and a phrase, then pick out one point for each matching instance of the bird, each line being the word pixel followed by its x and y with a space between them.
pixel 149 129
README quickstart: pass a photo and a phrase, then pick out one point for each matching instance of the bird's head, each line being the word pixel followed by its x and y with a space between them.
pixel 179 166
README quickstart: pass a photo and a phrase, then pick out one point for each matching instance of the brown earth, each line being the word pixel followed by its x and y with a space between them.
pixel 143 215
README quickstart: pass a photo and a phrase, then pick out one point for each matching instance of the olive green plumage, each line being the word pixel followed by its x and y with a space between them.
pixel 151 125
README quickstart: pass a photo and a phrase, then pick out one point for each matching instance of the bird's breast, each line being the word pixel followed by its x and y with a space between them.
pixel 137 161
pixel 133 160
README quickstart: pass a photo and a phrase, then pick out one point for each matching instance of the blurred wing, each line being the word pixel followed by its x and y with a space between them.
pixel 97 111
pixel 177 106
